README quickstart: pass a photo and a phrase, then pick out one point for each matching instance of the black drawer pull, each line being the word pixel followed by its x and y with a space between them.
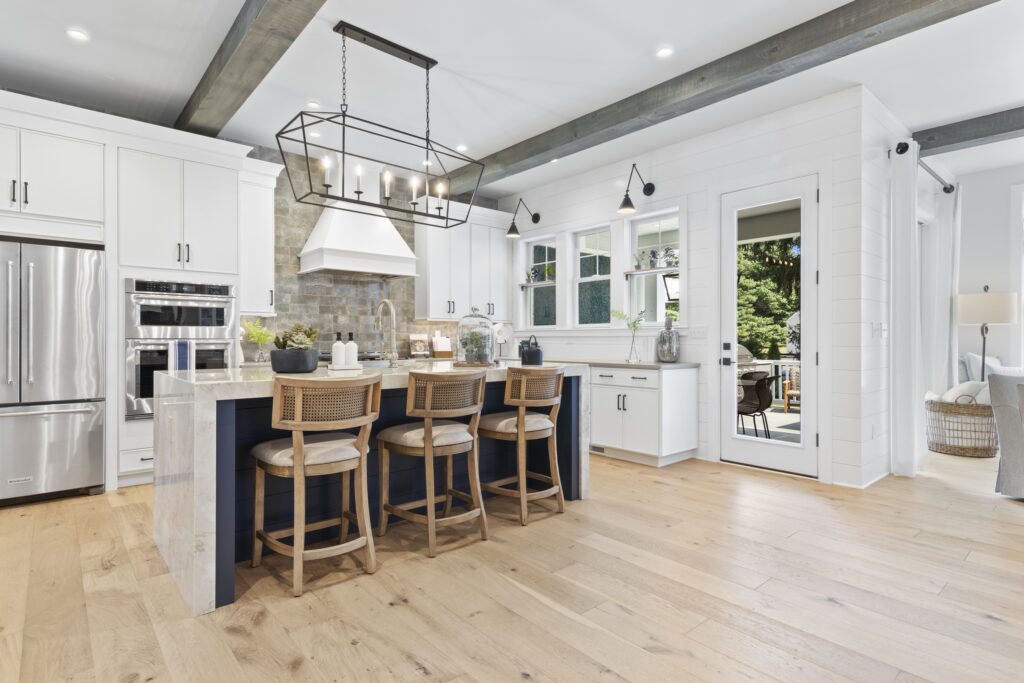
pixel 640 378
pixel 606 376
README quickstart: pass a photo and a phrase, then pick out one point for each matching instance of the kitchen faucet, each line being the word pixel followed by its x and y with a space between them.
pixel 391 356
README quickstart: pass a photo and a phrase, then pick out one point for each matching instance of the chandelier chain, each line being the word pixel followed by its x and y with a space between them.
pixel 344 74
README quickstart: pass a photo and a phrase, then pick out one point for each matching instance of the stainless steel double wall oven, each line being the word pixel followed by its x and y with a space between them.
pixel 174 325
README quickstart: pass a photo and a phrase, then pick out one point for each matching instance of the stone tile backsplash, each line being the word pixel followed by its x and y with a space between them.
pixel 333 301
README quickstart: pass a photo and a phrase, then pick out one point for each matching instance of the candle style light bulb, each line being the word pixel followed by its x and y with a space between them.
pixel 387 184
pixel 414 184
pixel 359 179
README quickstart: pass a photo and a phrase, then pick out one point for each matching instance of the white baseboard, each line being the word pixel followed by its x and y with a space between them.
pixel 135 479
pixel 643 458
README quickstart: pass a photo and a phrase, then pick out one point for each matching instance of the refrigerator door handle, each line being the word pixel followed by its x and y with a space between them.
pixel 10 322
pixel 33 413
pixel 31 318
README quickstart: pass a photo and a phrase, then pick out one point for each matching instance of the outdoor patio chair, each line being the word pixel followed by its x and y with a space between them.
pixel 791 388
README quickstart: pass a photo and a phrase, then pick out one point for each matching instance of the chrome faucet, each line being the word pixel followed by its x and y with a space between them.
pixel 391 356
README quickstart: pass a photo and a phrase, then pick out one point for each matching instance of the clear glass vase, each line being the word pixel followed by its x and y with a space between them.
pixel 634 352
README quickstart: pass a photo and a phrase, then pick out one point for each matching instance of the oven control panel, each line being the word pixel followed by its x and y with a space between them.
pixel 155 287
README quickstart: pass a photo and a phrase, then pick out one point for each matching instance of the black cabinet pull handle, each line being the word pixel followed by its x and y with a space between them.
pixel 624 402
pixel 146 459
pixel 606 376
pixel 640 378
pixel 179 252
pixel 14 191
pixel 271 297
pixel 24 193
pixel 188 253
pixel 618 402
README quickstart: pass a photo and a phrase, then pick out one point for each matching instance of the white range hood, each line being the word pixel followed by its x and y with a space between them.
pixel 355 242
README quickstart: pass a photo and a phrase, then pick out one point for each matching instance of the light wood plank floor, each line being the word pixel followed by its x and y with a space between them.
pixel 697 571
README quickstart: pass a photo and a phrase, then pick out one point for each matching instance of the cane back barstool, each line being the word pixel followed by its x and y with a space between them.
pixel 436 397
pixel 318 405
pixel 528 388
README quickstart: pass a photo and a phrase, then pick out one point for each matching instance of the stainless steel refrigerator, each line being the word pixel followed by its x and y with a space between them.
pixel 51 368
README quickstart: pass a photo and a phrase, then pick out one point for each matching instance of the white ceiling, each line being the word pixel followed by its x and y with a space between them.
pixel 982 158
pixel 143 61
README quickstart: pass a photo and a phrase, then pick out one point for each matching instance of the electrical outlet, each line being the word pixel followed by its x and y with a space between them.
pixel 698 332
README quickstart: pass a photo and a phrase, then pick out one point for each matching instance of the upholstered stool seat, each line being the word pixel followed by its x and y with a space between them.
pixel 320 449
pixel 435 396
pixel 526 389
pixel 444 433
pixel 508 422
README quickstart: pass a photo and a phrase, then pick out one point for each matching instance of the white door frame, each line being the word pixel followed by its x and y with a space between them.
pixel 711 407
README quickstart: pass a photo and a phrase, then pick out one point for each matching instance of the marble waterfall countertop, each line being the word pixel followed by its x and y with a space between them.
pixel 198 420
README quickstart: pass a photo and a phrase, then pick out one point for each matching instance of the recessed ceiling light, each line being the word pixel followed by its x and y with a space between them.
pixel 665 52
pixel 313 104
pixel 461 148
pixel 78 34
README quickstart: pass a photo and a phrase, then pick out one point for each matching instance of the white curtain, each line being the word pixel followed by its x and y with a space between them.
pixel 940 279
pixel 907 408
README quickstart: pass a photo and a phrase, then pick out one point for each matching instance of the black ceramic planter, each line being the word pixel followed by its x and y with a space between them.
pixel 294 360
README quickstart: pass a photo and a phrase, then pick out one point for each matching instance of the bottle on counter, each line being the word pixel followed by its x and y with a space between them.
pixel 668 343
pixel 351 351
pixel 337 351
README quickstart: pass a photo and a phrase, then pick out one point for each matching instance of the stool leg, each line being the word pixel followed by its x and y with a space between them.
pixel 346 482
pixel 428 466
pixel 473 465
pixel 556 478
pixel 385 472
pixel 521 462
pixel 449 477
pixel 257 518
pixel 299 540
pixel 363 517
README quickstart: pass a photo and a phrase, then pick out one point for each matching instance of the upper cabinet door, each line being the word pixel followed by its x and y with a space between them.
pixel 10 188
pixel 149 206
pixel 61 177
pixel 500 283
pixel 256 248
pixel 211 218
pixel 460 269
pixel 480 268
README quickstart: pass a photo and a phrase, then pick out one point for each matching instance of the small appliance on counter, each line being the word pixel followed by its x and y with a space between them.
pixel 530 352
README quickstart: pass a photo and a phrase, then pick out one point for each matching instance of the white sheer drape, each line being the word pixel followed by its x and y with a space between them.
pixel 940 276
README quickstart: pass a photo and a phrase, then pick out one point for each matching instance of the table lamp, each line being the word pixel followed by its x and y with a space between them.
pixel 987 308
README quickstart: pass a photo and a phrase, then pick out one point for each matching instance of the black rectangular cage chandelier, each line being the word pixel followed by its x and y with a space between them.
pixel 346 150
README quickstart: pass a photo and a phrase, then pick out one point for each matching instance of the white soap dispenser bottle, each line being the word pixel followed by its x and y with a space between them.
pixel 337 351
pixel 351 351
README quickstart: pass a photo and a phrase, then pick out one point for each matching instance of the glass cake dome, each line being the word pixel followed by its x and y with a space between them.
pixel 476 339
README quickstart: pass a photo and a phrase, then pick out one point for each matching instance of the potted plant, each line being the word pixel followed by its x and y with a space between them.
pixel 475 348
pixel 638 259
pixel 633 323
pixel 256 333
pixel 295 350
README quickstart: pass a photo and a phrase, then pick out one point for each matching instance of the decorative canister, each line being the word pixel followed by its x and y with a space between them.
pixel 668 343
pixel 476 339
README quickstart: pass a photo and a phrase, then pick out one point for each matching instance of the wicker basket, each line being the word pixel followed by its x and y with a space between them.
pixel 967 428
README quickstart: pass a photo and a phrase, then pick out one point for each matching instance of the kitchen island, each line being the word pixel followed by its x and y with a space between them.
pixel 207 421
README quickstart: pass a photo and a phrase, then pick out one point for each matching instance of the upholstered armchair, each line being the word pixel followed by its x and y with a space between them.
pixel 1006 388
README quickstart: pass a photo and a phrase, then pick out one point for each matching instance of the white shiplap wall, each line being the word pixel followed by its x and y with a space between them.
pixel 826 136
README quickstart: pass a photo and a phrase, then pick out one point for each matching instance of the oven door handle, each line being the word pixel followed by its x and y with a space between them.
pixel 196 300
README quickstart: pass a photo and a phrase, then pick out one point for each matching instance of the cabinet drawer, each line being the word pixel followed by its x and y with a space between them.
pixel 625 377
pixel 135 460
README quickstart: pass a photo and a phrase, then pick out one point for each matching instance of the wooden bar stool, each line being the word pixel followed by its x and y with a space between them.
pixel 528 388
pixel 435 397
pixel 317 405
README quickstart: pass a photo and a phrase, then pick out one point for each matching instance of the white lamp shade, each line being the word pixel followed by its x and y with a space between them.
pixel 993 308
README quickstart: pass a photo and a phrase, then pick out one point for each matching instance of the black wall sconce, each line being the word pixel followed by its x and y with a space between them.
pixel 626 207
pixel 513 231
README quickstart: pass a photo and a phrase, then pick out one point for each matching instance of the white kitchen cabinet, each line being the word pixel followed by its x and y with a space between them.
pixel 644 415
pixel 61 177
pixel 256 248
pixel 10 174
pixel 176 215
pixel 464 267
pixel 149 210
pixel 211 218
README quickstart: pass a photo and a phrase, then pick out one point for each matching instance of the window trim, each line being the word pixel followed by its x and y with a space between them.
pixel 632 237
pixel 528 324
pixel 577 279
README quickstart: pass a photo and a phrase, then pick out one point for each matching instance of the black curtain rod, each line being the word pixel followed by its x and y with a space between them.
pixel 948 188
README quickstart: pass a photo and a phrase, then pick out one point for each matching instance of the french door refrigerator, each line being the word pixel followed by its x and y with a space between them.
pixel 51 368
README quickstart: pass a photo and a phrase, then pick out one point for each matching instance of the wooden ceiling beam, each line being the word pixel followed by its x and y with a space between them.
pixel 262 32
pixel 981 130
pixel 841 32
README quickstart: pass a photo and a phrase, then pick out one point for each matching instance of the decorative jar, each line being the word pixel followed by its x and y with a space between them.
pixel 476 339
pixel 668 343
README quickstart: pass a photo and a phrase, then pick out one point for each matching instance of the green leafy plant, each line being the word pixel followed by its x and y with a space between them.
pixel 474 346
pixel 672 314
pixel 298 336
pixel 256 333
pixel 633 324
pixel 639 257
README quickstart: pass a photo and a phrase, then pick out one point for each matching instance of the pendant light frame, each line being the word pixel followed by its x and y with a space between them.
pixel 345 195
pixel 513 230
pixel 626 206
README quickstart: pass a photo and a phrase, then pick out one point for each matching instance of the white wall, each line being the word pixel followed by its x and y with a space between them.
pixel 824 136
pixel 990 251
